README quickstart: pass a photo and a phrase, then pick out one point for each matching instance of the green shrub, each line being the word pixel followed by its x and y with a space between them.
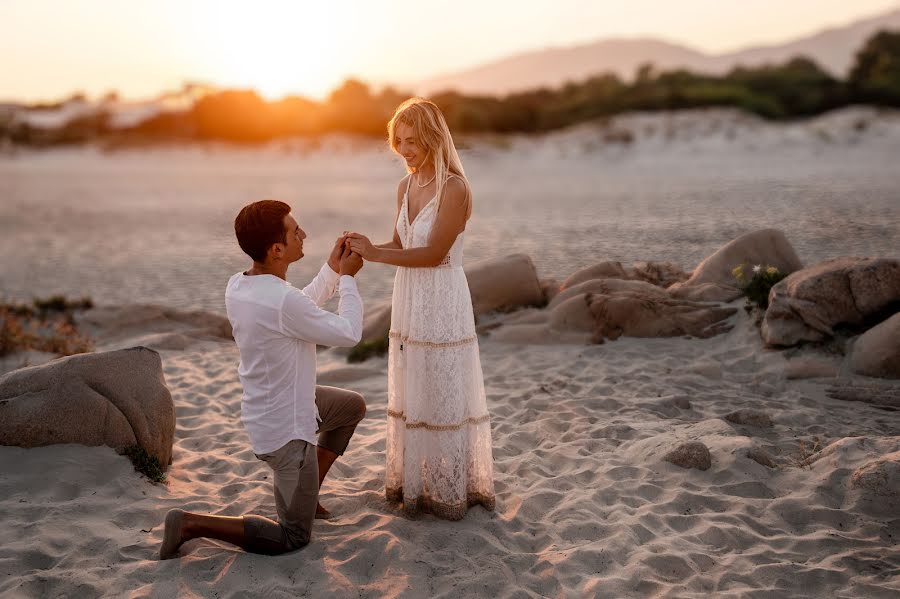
pixel 145 463
pixel 756 287
pixel 366 349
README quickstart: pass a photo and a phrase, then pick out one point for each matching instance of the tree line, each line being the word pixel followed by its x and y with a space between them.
pixel 797 88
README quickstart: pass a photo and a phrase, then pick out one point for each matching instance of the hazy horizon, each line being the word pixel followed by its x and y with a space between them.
pixel 146 48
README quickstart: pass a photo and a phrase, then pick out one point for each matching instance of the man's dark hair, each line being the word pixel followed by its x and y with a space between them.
pixel 260 225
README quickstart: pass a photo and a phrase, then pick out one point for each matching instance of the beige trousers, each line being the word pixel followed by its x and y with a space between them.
pixel 296 474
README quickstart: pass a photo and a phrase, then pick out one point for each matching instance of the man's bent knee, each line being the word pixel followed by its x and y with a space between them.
pixel 358 406
pixel 268 537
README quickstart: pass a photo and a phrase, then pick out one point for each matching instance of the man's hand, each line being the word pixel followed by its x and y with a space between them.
pixel 361 245
pixel 351 262
pixel 334 260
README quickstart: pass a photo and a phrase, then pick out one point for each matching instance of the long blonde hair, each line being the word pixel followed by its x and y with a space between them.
pixel 431 131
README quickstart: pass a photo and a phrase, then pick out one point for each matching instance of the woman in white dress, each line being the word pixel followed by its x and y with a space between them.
pixel 439 456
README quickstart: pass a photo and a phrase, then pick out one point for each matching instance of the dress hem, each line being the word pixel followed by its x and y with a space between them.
pixel 446 511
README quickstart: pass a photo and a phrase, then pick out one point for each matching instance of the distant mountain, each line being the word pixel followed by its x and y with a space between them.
pixel 834 49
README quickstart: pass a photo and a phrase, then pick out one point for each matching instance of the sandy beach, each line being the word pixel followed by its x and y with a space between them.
pixel 586 506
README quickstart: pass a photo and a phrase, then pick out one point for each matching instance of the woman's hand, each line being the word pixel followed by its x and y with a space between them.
pixel 361 245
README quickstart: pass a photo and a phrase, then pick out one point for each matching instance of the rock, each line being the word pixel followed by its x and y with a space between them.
pixel 884 395
pixel 661 274
pixel 609 308
pixel 879 477
pixel 640 315
pixel 692 454
pixel 153 318
pixel 501 284
pixel 810 303
pixel 215 325
pixel 762 457
pixel 573 314
pixel 117 398
pixel 163 341
pixel 376 323
pixel 504 284
pixel 706 292
pixel 767 247
pixel 603 270
pixel 341 375
pixel 159 327
pixel 550 288
pixel 810 368
pixel 750 417
pixel 877 351
pixel 608 287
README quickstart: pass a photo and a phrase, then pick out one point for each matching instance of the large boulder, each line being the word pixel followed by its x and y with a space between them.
pixel 647 316
pixel 607 287
pixel 877 351
pixel 662 274
pixel 149 325
pixel 602 270
pixel 712 279
pixel 376 323
pixel 117 398
pixel 501 284
pixel 810 303
pixel 504 284
pixel 883 394
pixel 601 309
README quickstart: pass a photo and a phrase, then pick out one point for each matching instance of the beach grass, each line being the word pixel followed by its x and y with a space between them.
pixel 145 463
pixel 46 325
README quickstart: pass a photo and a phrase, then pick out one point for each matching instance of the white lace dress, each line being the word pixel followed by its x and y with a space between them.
pixel 439 456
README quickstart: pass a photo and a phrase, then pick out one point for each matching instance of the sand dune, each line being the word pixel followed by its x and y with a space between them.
pixel 585 504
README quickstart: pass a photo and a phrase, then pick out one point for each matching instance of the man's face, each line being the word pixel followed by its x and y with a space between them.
pixel 294 236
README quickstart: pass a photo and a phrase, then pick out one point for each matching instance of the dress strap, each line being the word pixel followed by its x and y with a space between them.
pixel 408 183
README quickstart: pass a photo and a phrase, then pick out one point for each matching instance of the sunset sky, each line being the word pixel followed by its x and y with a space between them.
pixel 52 48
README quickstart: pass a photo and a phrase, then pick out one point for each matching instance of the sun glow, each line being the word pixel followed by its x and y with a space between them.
pixel 275 48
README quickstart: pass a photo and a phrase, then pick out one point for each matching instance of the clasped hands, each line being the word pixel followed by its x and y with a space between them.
pixel 349 251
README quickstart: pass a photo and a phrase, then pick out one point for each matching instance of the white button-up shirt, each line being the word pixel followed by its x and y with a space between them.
pixel 277 327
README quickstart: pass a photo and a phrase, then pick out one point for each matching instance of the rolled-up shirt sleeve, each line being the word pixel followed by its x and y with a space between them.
pixel 303 319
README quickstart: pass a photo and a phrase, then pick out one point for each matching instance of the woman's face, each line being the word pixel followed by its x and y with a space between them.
pixel 409 147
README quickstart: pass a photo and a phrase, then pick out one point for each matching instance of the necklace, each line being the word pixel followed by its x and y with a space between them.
pixel 426 182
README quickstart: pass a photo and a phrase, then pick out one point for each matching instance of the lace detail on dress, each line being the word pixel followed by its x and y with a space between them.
pixel 439 456
pixel 408 341
pixel 438 427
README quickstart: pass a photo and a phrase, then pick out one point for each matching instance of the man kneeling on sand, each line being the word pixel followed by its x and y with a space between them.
pixel 277 327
